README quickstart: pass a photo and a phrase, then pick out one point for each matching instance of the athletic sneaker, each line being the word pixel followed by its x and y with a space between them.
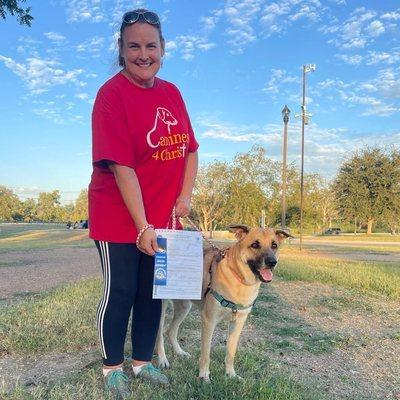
pixel 116 385
pixel 151 374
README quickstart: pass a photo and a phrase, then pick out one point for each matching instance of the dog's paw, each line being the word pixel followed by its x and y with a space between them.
pixel 163 363
pixel 183 353
pixel 204 376
pixel 234 375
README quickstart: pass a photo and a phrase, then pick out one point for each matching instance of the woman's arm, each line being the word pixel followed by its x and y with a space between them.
pixel 182 204
pixel 129 188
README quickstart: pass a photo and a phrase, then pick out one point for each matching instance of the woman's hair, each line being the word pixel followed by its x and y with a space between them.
pixel 141 20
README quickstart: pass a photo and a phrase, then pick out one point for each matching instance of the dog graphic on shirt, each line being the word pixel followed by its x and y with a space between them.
pixel 164 115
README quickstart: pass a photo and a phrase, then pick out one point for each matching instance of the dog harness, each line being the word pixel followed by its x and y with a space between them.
pixel 226 303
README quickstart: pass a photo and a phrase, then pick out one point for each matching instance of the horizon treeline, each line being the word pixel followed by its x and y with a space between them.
pixel 364 194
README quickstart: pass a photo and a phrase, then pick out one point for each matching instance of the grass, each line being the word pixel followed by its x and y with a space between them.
pixel 7 229
pixel 290 331
pixel 62 320
pixel 341 302
pixel 265 382
pixel 44 239
pixel 365 277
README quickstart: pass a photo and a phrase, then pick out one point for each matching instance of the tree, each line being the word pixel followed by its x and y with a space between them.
pixel 48 206
pixel 391 211
pixel 244 203
pixel 28 210
pixel 252 179
pixel 9 204
pixel 210 194
pixel 23 16
pixel 367 186
pixel 81 206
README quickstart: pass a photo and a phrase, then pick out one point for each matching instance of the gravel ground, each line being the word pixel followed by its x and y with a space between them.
pixel 32 271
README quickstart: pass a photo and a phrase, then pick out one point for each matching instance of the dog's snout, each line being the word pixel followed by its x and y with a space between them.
pixel 270 262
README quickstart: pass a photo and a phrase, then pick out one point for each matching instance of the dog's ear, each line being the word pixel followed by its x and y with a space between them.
pixel 240 231
pixel 282 235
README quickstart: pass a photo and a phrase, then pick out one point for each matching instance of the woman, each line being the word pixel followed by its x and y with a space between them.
pixel 144 165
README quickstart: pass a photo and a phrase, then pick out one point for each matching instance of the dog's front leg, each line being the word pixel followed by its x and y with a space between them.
pixel 181 310
pixel 209 320
pixel 235 329
pixel 160 349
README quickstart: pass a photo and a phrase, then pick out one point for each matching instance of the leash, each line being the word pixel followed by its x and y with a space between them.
pixel 222 253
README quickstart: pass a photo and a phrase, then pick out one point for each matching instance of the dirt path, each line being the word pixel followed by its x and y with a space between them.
pixel 354 243
pixel 328 251
pixel 32 271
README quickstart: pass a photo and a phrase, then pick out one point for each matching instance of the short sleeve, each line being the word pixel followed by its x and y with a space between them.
pixel 110 137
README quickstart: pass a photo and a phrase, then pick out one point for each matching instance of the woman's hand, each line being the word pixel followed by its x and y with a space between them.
pixel 148 242
pixel 182 206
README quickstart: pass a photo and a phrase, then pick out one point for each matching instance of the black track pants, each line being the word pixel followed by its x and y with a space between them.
pixel 128 285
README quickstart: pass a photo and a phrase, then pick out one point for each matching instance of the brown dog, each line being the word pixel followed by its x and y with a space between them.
pixel 231 283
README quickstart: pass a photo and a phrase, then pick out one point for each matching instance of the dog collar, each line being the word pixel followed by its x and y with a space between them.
pixel 229 304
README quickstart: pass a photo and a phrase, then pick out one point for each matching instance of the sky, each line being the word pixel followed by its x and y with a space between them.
pixel 236 62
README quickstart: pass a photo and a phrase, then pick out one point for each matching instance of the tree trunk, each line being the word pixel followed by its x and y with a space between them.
pixel 369 228
pixel 355 226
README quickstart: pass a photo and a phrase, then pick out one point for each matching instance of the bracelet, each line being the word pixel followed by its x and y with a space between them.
pixel 147 226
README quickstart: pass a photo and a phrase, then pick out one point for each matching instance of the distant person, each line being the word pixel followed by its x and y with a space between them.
pixel 144 165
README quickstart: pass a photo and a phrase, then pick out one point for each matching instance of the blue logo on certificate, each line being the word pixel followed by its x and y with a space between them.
pixel 160 262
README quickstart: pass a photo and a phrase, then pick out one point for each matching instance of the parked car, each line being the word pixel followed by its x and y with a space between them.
pixel 333 231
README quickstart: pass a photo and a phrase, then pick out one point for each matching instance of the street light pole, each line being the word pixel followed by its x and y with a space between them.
pixel 304 121
pixel 285 115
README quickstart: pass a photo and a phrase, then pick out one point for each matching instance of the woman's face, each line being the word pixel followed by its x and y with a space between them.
pixel 142 51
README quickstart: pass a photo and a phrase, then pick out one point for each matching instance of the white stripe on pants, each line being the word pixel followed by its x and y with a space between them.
pixel 106 293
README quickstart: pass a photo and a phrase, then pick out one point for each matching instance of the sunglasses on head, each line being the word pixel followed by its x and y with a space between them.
pixel 133 16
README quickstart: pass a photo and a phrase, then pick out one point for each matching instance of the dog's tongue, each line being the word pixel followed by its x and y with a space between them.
pixel 266 274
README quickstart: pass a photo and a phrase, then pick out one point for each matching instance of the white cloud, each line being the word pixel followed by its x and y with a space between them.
pixel 188 46
pixel 324 147
pixel 54 36
pixel 375 28
pixel 85 11
pixel 357 31
pixel 394 15
pixel 210 22
pixel 350 59
pixel 279 77
pixel 278 16
pixel 386 83
pixel 376 57
pixel 374 106
pixel 92 46
pixel 40 75
pixel 241 15
pixel 82 96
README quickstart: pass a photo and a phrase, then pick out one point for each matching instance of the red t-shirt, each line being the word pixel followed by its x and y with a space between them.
pixel 145 129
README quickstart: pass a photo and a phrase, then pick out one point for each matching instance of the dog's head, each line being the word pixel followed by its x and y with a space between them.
pixel 258 248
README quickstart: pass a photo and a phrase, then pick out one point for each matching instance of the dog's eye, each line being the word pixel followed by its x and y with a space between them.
pixel 274 245
pixel 255 245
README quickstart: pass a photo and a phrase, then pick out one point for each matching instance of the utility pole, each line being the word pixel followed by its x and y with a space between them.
pixel 305 117
pixel 285 115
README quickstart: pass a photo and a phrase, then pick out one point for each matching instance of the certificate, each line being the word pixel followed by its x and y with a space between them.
pixel 182 265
